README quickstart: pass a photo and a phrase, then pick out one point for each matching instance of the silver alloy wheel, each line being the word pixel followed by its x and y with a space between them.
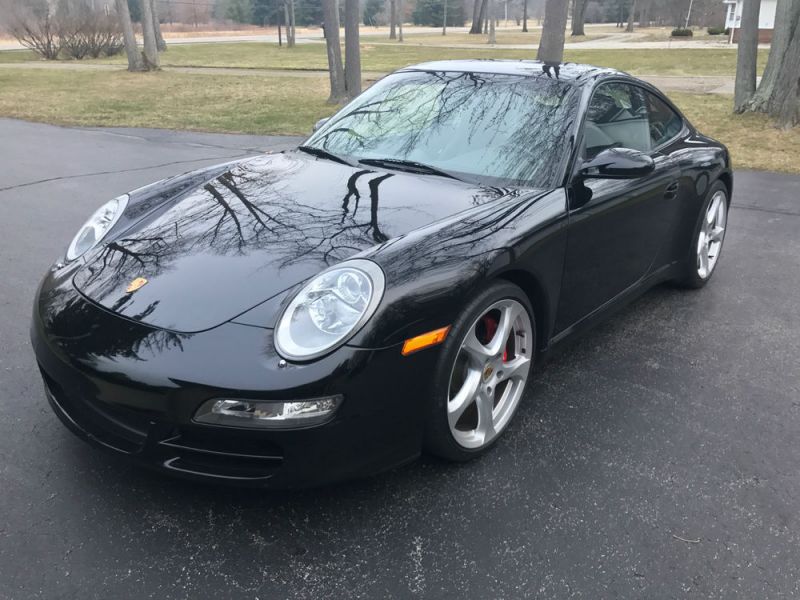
pixel 712 234
pixel 489 374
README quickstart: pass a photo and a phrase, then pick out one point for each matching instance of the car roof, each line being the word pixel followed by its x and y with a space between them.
pixel 575 73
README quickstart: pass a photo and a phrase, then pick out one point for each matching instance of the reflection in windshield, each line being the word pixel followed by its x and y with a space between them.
pixel 503 129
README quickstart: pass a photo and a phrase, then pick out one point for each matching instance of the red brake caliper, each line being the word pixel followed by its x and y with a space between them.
pixel 490 327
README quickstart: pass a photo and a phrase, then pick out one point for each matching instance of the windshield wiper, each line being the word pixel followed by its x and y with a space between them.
pixel 406 165
pixel 320 153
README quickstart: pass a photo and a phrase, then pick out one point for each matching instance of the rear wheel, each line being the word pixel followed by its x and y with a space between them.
pixel 708 238
pixel 482 373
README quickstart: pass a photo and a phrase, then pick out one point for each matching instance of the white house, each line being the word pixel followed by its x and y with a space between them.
pixel 766 18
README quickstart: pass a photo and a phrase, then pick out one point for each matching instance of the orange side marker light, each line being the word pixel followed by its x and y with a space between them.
pixel 420 342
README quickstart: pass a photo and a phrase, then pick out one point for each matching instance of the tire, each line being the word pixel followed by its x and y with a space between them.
pixel 694 276
pixel 501 381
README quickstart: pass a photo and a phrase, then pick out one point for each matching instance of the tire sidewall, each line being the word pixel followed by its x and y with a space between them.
pixel 438 438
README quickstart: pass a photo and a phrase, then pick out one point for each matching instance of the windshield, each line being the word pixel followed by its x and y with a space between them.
pixel 491 128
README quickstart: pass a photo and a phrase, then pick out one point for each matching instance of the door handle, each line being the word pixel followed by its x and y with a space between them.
pixel 672 190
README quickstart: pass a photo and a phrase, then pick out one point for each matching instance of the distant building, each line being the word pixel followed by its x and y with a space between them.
pixel 766 19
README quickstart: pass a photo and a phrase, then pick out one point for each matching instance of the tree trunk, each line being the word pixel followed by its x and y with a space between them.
pixel 148 33
pixel 128 36
pixel 631 17
pixel 747 56
pixel 293 23
pixel 578 16
pixel 786 13
pixel 400 17
pixel 644 15
pixel 444 19
pixel 478 13
pixel 785 104
pixel 525 16
pixel 392 19
pixel 161 45
pixel 551 44
pixel 492 32
pixel 330 10
pixel 352 51
pixel 288 17
pixel 286 20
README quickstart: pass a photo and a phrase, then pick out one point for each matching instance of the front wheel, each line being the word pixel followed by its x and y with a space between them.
pixel 482 373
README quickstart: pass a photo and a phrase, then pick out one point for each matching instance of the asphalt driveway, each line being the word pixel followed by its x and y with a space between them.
pixel 657 457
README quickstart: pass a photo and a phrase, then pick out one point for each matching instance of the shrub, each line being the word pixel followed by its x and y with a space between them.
pixel 88 33
pixel 35 26
pixel 62 28
pixel 718 31
pixel 681 32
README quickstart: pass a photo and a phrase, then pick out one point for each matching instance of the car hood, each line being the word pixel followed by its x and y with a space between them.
pixel 261 227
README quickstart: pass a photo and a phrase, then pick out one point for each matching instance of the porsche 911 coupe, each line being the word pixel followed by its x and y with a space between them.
pixel 384 288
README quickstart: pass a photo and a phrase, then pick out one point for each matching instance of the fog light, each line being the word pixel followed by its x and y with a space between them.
pixel 267 414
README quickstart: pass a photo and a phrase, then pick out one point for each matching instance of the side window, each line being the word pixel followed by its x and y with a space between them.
pixel 665 123
pixel 617 118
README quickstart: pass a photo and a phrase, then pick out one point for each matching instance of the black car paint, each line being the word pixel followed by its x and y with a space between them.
pixel 578 251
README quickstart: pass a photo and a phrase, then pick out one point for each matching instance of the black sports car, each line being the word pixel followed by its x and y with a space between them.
pixel 384 288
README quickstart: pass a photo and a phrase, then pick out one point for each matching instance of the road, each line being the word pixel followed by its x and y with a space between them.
pixel 373 35
pixel 655 457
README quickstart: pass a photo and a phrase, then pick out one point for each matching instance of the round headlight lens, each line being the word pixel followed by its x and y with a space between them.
pixel 96 228
pixel 329 309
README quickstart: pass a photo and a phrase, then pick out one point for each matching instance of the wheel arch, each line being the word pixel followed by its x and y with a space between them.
pixel 727 179
pixel 538 298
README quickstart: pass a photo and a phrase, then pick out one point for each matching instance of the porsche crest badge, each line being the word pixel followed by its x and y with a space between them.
pixel 136 284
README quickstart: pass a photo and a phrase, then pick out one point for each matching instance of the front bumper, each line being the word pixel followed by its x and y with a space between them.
pixel 133 389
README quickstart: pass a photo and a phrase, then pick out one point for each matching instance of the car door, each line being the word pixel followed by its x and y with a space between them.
pixel 616 226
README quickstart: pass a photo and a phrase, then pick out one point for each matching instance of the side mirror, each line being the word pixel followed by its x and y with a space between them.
pixel 320 123
pixel 618 163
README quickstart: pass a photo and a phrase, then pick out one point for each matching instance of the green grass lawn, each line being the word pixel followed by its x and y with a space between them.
pixel 258 105
pixel 290 105
pixel 753 140
pixel 388 57
pixel 17 56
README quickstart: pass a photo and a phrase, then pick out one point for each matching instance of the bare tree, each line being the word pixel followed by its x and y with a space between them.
pixel 288 18
pixel 400 18
pixel 786 103
pixel 578 17
pixel 330 12
pixel 631 16
pixel 444 19
pixel 161 45
pixel 779 92
pixel 492 21
pixel 135 62
pixel 150 51
pixel 352 51
pixel 392 19
pixel 525 16
pixel 551 44
pixel 644 15
pixel 747 56
pixel 786 12
pixel 478 15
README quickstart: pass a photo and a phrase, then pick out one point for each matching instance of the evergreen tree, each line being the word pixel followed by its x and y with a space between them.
pixel 431 12
pixel 240 11
pixel 135 8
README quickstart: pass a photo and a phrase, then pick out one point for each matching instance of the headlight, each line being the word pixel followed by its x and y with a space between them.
pixel 329 310
pixel 96 228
